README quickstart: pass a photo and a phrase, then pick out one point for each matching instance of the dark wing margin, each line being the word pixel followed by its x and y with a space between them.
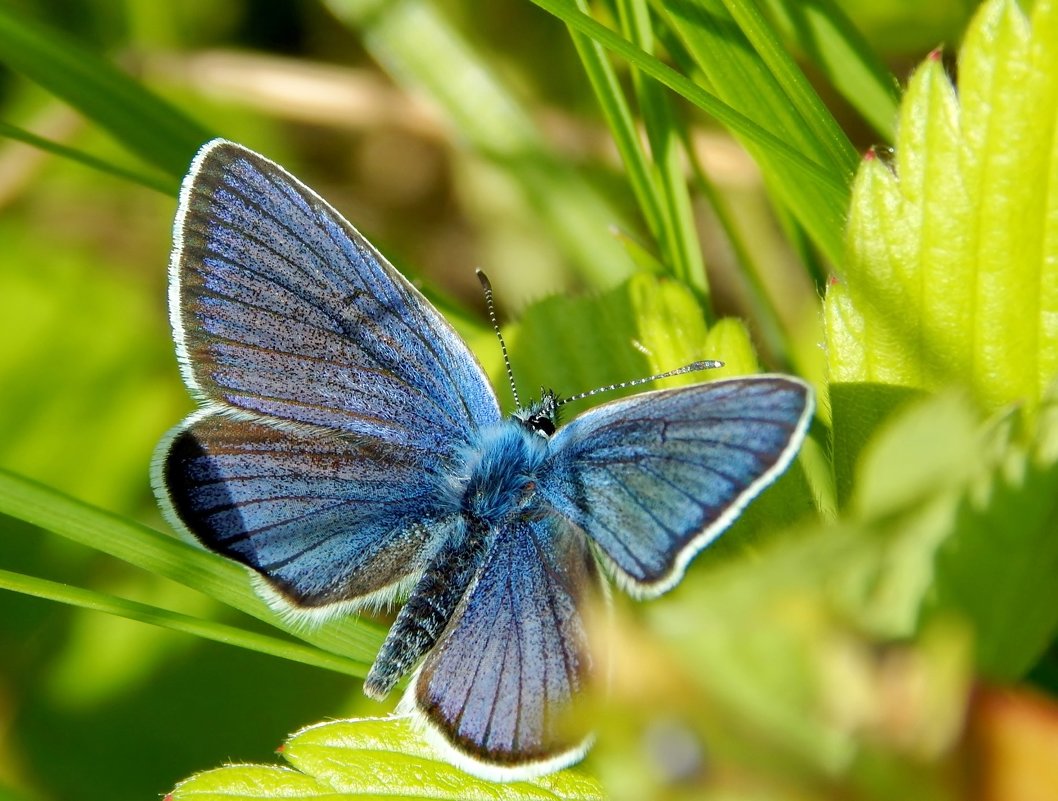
pixel 496 692
pixel 656 477
pixel 281 308
pixel 329 524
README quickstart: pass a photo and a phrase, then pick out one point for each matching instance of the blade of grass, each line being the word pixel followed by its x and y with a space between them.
pixel 158 183
pixel 831 143
pixel 770 90
pixel 831 186
pixel 427 55
pixel 207 629
pixel 662 127
pixel 622 125
pixel 167 556
pixel 150 127
pixel 834 45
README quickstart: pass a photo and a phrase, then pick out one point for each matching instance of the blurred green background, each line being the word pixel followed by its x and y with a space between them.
pixel 95 707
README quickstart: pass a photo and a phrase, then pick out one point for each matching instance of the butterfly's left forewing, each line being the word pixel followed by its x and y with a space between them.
pixel 498 687
pixel 655 477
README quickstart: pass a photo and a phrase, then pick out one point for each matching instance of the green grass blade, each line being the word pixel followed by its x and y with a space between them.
pixel 746 66
pixel 622 125
pixel 150 127
pixel 830 40
pixel 815 189
pixel 823 136
pixel 166 187
pixel 169 557
pixel 427 55
pixel 207 629
pixel 680 238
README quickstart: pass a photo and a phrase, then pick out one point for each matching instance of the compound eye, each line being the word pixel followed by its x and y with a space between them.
pixel 541 424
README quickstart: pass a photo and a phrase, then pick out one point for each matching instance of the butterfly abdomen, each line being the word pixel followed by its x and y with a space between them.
pixel 428 609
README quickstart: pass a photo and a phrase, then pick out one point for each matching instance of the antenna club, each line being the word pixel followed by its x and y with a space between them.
pixel 703 364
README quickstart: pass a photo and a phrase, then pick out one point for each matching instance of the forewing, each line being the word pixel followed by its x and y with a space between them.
pixel 498 686
pixel 280 307
pixel 654 478
pixel 323 519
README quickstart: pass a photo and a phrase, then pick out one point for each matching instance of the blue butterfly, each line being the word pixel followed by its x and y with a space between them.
pixel 349 449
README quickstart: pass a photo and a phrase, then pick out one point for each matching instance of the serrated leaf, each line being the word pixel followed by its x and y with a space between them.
pixel 951 267
pixel 371 758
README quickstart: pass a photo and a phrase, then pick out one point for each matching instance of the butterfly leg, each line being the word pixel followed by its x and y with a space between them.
pixel 429 607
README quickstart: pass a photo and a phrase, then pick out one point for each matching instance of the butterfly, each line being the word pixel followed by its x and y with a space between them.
pixel 349 449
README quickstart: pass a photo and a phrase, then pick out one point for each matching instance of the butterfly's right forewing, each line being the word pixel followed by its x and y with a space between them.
pixel 281 308
pixel 335 398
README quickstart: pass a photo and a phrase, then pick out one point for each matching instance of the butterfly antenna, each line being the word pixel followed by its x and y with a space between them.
pixel 705 364
pixel 486 285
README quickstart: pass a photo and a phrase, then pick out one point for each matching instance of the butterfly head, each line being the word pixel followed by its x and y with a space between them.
pixel 541 416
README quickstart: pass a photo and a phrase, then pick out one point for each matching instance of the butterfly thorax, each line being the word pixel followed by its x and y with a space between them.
pixel 499 470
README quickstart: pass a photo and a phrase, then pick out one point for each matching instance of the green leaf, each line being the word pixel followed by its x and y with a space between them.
pixel 998 568
pixel 930 448
pixel 647 325
pixel 909 480
pixel 964 517
pixel 371 758
pixel 147 125
pixel 951 267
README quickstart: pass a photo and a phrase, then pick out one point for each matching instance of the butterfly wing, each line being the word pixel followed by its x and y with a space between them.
pixel 326 521
pixel 496 688
pixel 281 308
pixel 654 478
pixel 334 394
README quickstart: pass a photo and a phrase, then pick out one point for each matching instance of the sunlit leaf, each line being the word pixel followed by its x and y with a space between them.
pixel 951 267
pixel 371 758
